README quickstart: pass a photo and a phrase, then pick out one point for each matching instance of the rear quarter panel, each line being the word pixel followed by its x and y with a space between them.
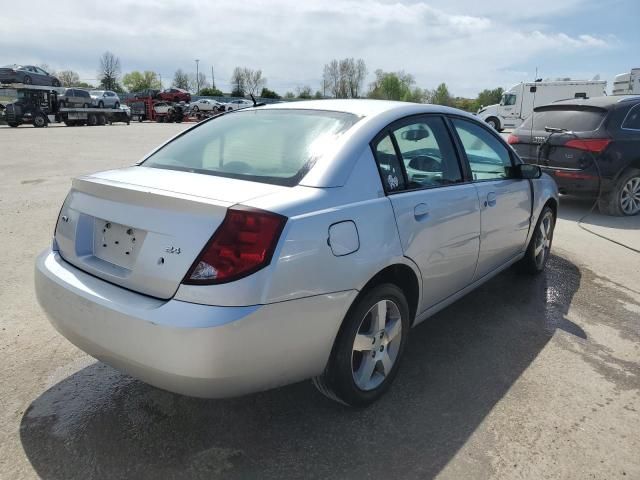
pixel 304 264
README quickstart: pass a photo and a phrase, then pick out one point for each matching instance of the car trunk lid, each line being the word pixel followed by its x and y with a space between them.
pixel 142 228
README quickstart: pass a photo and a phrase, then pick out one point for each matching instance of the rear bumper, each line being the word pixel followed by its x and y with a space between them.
pixel 197 350
pixel 576 182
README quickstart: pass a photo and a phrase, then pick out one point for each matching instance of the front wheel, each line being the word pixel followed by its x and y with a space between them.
pixel 539 249
pixel 27 80
pixel 100 104
pixel 494 123
pixel 117 105
pixel 196 108
pixel 39 121
pixel 366 354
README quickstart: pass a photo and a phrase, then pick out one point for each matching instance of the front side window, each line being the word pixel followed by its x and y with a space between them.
pixel 269 146
pixel 427 153
pixel 488 158
pixel 508 99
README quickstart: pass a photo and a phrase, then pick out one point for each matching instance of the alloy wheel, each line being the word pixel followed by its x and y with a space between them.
pixel 630 196
pixel 543 238
pixel 376 345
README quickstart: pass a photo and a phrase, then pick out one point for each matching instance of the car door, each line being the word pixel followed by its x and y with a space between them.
pixel 505 201
pixel 437 212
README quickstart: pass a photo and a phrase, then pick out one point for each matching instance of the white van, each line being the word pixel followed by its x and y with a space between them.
pixel 520 100
pixel 627 83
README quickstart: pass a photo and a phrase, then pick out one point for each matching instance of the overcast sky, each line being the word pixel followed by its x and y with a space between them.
pixel 469 44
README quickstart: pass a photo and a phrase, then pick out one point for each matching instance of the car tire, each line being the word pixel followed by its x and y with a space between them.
pixel 494 123
pixel 624 198
pixel 100 104
pixel 27 80
pixel 196 108
pixel 13 124
pixel 40 121
pixel 366 354
pixel 539 249
pixel 92 120
pixel 116 105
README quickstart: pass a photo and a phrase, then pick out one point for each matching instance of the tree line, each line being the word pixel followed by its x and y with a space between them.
pixel 341 78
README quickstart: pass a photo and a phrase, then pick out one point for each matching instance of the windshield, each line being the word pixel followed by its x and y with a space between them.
pixel 574 119
pixel 269 146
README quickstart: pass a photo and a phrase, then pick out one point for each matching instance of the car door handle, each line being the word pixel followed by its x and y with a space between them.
pixel 491 199
pixel 420 211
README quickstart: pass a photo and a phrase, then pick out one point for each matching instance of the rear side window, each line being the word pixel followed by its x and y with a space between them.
pixel 389 165
pixel 632 120
pixel 268 145
pixel 568 118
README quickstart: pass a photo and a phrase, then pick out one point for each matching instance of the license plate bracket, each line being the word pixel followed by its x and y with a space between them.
pixel 115 243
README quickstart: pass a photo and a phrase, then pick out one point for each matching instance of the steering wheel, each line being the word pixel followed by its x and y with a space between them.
pixel 425 163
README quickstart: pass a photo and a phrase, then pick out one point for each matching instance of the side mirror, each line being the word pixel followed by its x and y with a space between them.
pixel 527 171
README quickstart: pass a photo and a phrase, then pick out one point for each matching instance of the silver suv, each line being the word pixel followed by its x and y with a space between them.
pixel 105 98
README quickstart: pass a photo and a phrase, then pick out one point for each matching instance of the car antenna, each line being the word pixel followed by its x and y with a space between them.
pixel 256 104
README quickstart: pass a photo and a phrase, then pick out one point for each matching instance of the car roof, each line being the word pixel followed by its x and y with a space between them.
pixel 606 102
pixel 366 107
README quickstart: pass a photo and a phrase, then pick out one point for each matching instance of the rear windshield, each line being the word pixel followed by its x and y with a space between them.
pixel 269 146
pixel 567 118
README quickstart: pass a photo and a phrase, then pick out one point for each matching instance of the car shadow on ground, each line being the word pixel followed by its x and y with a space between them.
pixel 580 208
pixel 98 423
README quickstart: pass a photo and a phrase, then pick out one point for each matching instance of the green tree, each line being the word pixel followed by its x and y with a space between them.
pixel 211 92
pixel 488 97
pixel 266 93
pixel 289 95
pixel 441 96
pixel 136 81
pixel 304 92
pixel 395 86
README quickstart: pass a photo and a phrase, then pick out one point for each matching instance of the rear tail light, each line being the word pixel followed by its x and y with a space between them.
pixel 595 145
pixel 243 244
pixel 513 139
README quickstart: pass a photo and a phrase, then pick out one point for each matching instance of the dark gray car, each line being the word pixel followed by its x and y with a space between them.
pixel 75 97
pixel 27 74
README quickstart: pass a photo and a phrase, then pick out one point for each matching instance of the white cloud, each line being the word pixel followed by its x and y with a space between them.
pixel 468 44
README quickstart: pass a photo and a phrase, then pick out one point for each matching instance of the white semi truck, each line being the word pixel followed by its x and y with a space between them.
pixel 627 83
pixel 519 101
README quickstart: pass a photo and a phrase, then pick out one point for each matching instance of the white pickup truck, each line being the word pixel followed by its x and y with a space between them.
pixel 520 100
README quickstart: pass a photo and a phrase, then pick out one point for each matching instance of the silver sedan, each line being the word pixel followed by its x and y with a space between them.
pixel 280 243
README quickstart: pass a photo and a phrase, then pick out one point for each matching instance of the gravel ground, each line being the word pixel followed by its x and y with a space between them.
pixel 524 378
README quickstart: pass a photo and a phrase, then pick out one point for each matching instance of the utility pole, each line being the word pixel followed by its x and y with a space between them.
pixel 197 76
pixel 213 79
pixel 160 75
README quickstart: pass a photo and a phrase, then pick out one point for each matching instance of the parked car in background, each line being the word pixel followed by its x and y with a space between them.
pixel 27 74
pixel 105 98
pixel 207 105
pixel 75 97
pixel 161 107
pixel 590 147
pixel 174 95
pixel 288 242
pixel 238 104
pixel 148 93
